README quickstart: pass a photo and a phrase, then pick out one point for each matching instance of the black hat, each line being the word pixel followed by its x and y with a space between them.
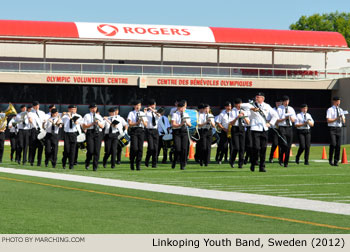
pixel 53 111
pixel 180 104
pixel 136 102
pixel 72 106
pixel 238 101
pixel 23 106
pixel 35 103
pixel 51 106
pixel 205 105
pixel 116 108
pixel 260 94
pixel 29 106
pixel 285 98
pixel 227 103
pixel 304 105
pixel 200 106
pixel 111 110
pixel 92 105
pixel 278 100
pixel 336 98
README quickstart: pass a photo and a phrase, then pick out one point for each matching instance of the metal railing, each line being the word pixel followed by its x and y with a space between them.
pixel 170 70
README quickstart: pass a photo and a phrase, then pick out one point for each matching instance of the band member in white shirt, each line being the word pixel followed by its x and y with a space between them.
pixel 179 123
pixel 94 124
pixel 205 125
pixel 273 134
pixel 259 112
pixel 24 127
pixel 52 126
pixel 223 121
pixel 285 122
pixel 125 127
pixel 3 126
pixel 303 123
pixel 164 128
pixel 336 120
pixel 173 109
pixel 13 127
pixel 71 122
pixel 238 133
pixel 152 133
pixel 137 123
pixel 38 116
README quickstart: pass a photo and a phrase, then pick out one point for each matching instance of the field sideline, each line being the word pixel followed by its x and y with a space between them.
pixel 39 205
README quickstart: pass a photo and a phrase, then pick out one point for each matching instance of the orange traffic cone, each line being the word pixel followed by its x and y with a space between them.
pixel 344 159
pixel 127 154
pixel 275 154
pixel 324 154
pixel 191 154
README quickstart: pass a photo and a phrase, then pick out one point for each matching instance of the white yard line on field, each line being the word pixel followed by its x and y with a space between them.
pixel 294 203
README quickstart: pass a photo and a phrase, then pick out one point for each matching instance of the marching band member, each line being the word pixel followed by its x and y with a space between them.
pixel 24 128
pixel 179 122
pixel 164 128
pixel 2 137
pixel 94 124
pixel 205 125
pixel 197 149
pixel 137 122
pixel 13 137
pixel 152 133
pixel 223 121
pixel 248 139
pixel 173 109
pixel 71 122
pixel 336 120
pixel 237 133
pixel 110 141
pixel 304 122
pixel 273 134
pixel 259 111
pixel 37 116
pixel 52 126
pixel 125 127
pixel 285 122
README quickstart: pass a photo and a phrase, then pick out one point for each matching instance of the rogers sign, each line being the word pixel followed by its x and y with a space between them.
pixel 111 30
pixel 145 32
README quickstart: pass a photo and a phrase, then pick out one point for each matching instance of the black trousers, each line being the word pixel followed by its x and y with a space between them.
pixel 93 145
pixel 137 137
pixel 223 145
pixel 2 144
pixel 22 145
pixel 237 143
pixel 70 147
pixel 181 146
pixel 248 144
pixel 335 142
pixel 204 145
pixel 36 146
pixel 111 148
pixel 51 148
pixel 259 147
pixel 287 134
pixel 304 136
pixel 13 142
pixel 162 146
pixel 152 149
pixel 274 143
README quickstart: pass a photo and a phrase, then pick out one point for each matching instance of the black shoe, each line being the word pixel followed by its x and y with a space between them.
pixel 262 170
pixel 257 162
pixel 252 168
pixel 94 169
pixel 306 163
pixel 138 168
pixel 112 167
pixel 240 166
pixel 38 164
pixel 146 163
pixel 53 166
pixel 201 163
pixel 173 165
pixel 64 167
pixel 336 164
pixel 31 164
pixel 280 163
pixel 118 162
pixel 286 165
pixel 206 164
pixel 297 160
pixel 232 165
pixel 104 165
pixel 183 167
pixel 331 163
pixel 154 166
pixel 71 167
pixel 18 161
pixel 132 167
pixel 75 163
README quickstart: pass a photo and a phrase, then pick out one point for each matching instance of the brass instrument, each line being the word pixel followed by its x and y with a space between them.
pixel 229 131
pixel 9 111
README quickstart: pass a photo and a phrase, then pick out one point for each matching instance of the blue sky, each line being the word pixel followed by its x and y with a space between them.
pixel 218 13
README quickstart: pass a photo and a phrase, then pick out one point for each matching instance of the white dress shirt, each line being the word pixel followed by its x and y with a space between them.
pixel 119 128
pixel 225 118
pixel 172 111
pixel 132 116
pixel 22 121
pixel 90 118
pixel 66 124
pixel 257 121
pixel 235 112
pixel 150 120
pixel 302 118
pixel 281 111
pixel 13 129
pixel 332 114
pixel 38 118
pixel 203 117
pixel 48 125
pixel 165 121
pixel 178 119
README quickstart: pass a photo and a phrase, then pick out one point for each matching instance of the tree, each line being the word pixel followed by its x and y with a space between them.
pixel 335 21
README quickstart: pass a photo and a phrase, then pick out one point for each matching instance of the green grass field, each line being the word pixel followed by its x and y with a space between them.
pixel 38 205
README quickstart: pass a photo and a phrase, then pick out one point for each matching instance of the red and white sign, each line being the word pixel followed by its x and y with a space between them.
pixel 145 32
